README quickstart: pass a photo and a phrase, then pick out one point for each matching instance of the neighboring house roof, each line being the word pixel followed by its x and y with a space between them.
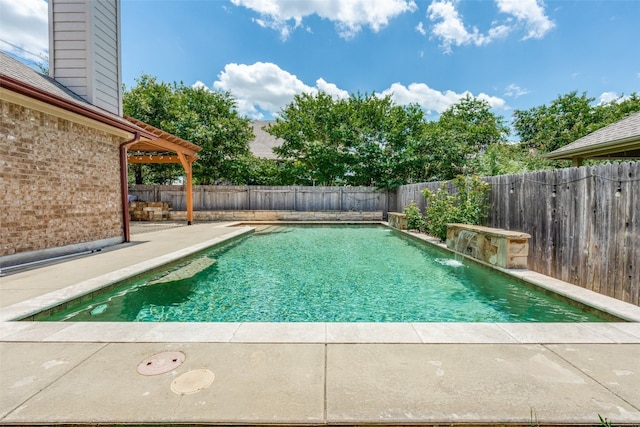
pixel 263 144
pixel 619 140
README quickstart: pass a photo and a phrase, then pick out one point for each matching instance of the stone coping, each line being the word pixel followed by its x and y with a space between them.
pixel 323 333
pixel 52 299
pixel 608 332
pixel 494 232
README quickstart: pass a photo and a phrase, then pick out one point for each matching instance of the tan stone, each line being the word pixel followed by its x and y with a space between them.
pixel 502 248
pixel 398 220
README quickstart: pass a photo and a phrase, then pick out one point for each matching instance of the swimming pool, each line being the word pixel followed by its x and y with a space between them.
pixel 324 274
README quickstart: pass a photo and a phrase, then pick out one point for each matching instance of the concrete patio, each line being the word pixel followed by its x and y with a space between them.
pixel 301 373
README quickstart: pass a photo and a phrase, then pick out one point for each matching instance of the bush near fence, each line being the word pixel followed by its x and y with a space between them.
pixel 584 222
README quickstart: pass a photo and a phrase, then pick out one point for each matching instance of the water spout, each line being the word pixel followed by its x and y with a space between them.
pixel 464 244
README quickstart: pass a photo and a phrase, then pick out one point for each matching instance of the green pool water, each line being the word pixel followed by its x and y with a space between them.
pixel 325 274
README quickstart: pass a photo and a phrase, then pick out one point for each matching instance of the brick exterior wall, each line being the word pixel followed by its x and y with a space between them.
pixel 60 182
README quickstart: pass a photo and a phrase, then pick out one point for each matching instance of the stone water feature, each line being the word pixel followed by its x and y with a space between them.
pixel 397 220
pixel 495 246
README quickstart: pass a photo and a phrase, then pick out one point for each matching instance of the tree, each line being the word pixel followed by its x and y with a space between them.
pixel 545 129
pixel 568 118
pixel 154 103
pixel 362 140
pixel 454 144
pixel 615 110
pixel 316 144
pixel 510 158
pixel 206 118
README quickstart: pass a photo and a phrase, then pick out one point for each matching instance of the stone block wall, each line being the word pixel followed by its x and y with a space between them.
pixel 149 211
pixel 60 181
pixel 502 248
pixel 398 220
pixel 264 215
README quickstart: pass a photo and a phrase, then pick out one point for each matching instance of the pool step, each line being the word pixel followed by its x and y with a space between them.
pixel 187 271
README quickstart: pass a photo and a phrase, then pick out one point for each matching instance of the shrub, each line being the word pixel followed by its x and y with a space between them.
pixel 415 221
pixel 467 205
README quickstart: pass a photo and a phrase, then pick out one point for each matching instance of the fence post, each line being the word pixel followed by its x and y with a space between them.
pixel 341 194
pixel 248 198
pixel 295 198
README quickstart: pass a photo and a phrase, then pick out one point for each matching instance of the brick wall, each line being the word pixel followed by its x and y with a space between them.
pixel 60 182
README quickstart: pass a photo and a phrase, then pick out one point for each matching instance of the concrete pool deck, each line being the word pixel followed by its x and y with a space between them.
pixel 307 373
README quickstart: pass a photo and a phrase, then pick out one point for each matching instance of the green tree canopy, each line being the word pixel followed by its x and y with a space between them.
pixel 454 144
pixel 362 140
pixel 568 118
pixel 206 118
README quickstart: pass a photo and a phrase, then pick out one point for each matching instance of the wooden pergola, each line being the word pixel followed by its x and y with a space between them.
pixel 166 148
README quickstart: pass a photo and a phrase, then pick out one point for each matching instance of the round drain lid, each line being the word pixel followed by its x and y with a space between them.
pixel 192 381
pixel 161 363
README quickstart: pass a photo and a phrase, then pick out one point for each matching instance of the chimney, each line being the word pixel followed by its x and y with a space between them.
pixel 84 50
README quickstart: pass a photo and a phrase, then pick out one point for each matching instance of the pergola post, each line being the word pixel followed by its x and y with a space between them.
pixel 187 165
pixel 158 151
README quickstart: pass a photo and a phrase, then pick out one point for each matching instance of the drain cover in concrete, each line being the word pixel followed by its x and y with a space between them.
pixel 192 381
pixel 161 363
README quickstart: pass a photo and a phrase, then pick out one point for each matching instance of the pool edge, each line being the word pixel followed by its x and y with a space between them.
pixel 407 333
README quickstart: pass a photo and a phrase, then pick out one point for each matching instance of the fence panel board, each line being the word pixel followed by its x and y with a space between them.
pixel 296 198
pixel 272 198
pixel 584 222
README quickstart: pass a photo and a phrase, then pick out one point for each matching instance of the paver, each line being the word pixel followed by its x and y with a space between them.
pixel 464 383
pixel 305 373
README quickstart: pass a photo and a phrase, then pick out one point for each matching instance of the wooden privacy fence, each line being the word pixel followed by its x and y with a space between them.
pixel 220 198
pixel 584 223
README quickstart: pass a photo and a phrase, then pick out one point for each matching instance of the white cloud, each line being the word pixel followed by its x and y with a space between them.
pixel 434 100
pixel 420 28
pixel 200 85
pixel 266 88
pixel 531 13
pixel 451 29
pixel 331 89
pixel 349 17
pixel 607 97
pixel 24 28
pixel 515 91
pixel 262 85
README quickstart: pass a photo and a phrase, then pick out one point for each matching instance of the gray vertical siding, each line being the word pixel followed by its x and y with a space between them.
pixel 85 50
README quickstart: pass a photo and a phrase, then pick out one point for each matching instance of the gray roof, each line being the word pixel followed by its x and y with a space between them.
pixel 263 144
pixel 11 68
pixel 618 140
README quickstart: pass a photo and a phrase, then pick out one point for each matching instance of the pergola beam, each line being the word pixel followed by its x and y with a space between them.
pixel 146 158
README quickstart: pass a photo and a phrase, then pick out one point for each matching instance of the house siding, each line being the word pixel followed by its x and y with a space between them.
pixel 60 182
pixel 105 24
pixel 85 50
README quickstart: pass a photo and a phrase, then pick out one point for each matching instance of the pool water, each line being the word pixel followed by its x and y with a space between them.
pixel 325 274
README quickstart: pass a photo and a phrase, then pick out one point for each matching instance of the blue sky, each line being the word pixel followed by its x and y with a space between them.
pixel 516 54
